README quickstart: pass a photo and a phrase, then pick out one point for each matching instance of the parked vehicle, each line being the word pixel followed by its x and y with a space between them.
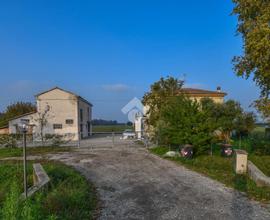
pixel 128 133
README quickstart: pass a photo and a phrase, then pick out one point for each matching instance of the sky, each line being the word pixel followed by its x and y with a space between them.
pixel 112 51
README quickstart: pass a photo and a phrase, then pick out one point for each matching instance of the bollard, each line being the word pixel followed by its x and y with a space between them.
pixel 240 163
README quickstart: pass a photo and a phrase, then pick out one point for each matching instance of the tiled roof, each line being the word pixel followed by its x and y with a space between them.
pixel 197 92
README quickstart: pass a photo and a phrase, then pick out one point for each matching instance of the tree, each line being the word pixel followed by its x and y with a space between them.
pixel 42 121
pixel 159 94
pixel 245 123
pixel 254 27
pixel 15 110
pixel 182 121
pixel 229 117
pixel 263 106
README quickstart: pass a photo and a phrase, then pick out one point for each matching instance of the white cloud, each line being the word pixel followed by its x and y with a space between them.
pixel 116 88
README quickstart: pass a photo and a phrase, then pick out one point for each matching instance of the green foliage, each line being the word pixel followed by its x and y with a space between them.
pixel 158 95
pixel 9 140
pixel 183 122
pixel 111 128
pixel 263 106
pixel 69 195
pixel 15 110
pixel 254 27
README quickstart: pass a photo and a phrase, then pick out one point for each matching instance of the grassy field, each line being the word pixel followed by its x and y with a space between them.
pixel 221 169
pixel 111 128
pixel 69 195
pixel 17 152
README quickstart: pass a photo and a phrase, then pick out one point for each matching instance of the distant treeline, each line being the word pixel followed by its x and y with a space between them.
pixel 107 122
pixel 14 110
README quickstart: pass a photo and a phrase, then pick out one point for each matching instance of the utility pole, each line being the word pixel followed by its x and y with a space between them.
pixel 24 130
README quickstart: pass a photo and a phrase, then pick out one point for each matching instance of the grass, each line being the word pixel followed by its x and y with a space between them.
pixel 221 169
pixel 262 162
pixel 110 128
pixel 17 152
pixel 69 195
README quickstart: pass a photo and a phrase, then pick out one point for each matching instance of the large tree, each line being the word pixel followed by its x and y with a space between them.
pixel 182 121
pixel 14 110
pixel 159 94
pixel 254 27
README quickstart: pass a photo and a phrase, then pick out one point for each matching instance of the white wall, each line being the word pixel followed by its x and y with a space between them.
pixel 86 118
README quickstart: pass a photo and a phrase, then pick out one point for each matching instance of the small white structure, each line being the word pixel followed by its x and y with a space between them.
pixel 240 161
pixel 64 112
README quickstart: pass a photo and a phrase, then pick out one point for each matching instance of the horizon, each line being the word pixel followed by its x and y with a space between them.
pixel 112 52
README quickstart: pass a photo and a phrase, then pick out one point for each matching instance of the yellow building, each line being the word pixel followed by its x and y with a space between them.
pixel 194 94
pixel 198 94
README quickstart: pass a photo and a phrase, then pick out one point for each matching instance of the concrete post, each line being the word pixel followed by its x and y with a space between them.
pixel 240 161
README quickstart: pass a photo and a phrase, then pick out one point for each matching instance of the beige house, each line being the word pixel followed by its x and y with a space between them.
pixel 60 112
pixel 194 94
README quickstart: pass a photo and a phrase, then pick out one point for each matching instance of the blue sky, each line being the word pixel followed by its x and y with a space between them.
pixel 111 51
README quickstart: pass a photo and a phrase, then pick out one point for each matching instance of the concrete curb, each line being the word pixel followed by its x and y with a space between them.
pixel 40 178
pixel 257 175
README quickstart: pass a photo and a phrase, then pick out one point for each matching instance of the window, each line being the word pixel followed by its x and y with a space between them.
pixel 81 114
pixel 69 121
pixel 57 126
pixel 25 121
pixel 88 113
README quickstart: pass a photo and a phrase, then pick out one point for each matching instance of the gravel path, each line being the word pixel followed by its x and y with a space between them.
pixel 134 184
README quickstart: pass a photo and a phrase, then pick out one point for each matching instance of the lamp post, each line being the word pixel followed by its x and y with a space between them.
pixel 24 128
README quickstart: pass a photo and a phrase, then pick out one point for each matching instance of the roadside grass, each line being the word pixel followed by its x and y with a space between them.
pixel 69 195
pixel 221 169
pixel 262 162
pixel 17 152
pixel 110 128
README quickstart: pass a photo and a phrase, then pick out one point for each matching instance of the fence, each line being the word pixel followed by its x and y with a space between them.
pixel 16 140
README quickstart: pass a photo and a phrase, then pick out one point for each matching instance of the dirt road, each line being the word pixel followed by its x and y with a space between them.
pixel 134 184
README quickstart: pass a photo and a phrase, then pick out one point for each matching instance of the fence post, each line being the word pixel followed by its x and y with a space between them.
pixel 79 139
pixel 113 138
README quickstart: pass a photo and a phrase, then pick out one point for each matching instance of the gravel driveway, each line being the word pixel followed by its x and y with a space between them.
pixel 134 184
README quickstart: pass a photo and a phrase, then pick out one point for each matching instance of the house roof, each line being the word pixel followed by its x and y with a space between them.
pixel 77 96
pixel 202 92
pixel 20 116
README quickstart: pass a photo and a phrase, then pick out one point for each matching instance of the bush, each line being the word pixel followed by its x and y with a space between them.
pixel 7 140
pixel 260 145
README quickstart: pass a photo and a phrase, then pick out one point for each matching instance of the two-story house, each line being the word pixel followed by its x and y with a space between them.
pixel 192 93
pixel 58 112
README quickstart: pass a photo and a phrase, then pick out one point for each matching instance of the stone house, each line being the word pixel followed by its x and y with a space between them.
pixel 194 94
pixel 59 112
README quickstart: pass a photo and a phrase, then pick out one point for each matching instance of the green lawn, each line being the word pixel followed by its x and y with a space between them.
pixel 111 128
pixel 69 195
pixel 17 152
pixel 221 169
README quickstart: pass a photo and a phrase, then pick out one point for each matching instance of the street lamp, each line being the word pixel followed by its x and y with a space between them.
pixel 24 128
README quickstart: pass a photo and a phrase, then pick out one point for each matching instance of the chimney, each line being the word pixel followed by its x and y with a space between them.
pixel 218 89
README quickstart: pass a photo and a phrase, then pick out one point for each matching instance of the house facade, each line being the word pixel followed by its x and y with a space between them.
pixel 58 112
pixel 192 93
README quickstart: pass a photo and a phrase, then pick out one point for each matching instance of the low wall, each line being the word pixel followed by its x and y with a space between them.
pixel 257 175
pixel 40 179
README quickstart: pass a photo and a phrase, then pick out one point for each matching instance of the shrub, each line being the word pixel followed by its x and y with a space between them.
pixel 7 140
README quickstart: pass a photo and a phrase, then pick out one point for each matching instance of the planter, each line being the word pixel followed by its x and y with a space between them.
pixel 186 151
pixel 226 150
